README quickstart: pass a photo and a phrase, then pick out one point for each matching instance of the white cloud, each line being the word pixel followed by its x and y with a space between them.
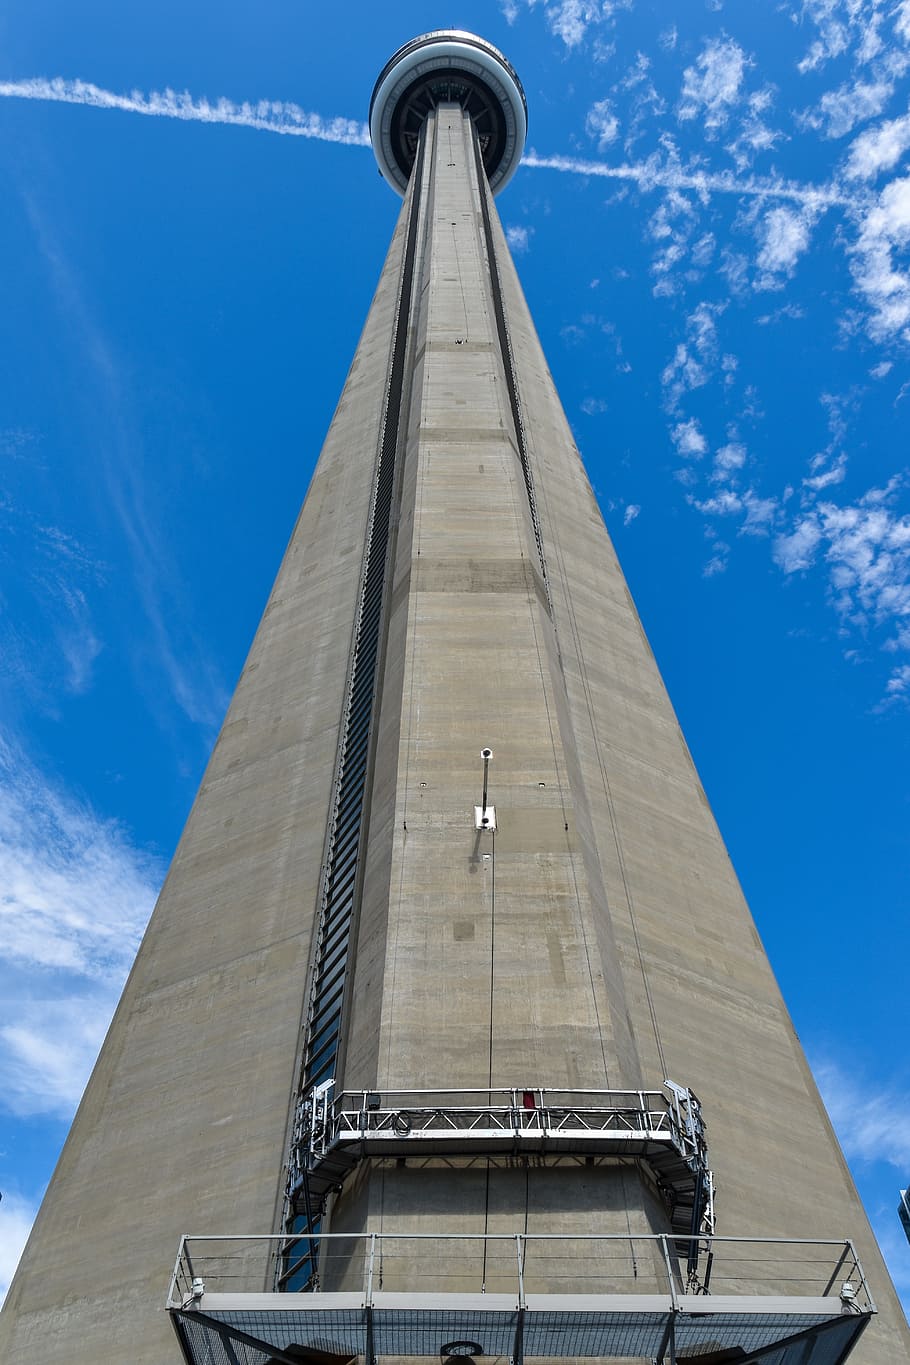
pixel 594 406
pixel 718 561
pixel 702 327
pixel 519 238
pixel 883 368
pixel 674 207
pixel 703 250
pixel 729 457
pixel 684 372
pixel 826 478
pixel 834 35
pixel 872 1121
pixel 898 685
pixel 272 116
pixel 761 513
pixel 48 1053
pixel 689 440
pixel 758 514
pixel 878 149
pixel 723 504
pixel 884 229
pixel 16 1218
pixel 569 19
pixel 797 550
pixel 851 28
pixel 671 226
pixel 602 123
pixel 784 236
pixel 712 86
pixel 694 360
pixel 754 135
pixel 865 546
pixel 631 512
pixel 838 111
pixel 76 896
pixel 902 20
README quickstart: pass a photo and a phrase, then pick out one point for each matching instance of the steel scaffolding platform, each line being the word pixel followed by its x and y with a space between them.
pixel 334 1132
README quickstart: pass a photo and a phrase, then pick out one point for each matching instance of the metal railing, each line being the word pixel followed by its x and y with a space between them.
pixel 517 1265
pixel 326 1119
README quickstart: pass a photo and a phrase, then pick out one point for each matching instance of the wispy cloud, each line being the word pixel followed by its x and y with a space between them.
pixel 76 897
pixel 865 545
pixel 872 1121
pixel 839 111
pixel 693 361
pixel 519 238
pixel 879 149
pixel 271 116
pixel 835 23
pixel 192 679
pixel 601 123
pixel 689 440
pixel 884 232
pixel 784 234
pixel 570 20
pixel 712 86
pixel 16 1218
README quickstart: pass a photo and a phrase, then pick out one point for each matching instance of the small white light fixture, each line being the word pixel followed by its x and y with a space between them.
pixel 197 1288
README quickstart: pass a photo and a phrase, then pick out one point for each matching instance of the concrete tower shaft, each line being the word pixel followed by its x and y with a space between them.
pixel 379 1040
pixel 512 970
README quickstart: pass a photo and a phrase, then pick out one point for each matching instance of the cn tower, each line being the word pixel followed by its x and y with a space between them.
pixel 451 1033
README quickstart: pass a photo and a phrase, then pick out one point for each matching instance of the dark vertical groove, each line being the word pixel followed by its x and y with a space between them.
pixel 342 872
pixel 508 359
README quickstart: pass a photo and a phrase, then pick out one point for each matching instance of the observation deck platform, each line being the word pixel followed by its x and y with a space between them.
pixel 772 1302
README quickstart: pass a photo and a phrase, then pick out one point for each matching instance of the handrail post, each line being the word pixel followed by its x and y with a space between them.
pixel 670 1281
pixel 370 1260
pixel 862 1276
pixel 185 1252
pixel 172 1296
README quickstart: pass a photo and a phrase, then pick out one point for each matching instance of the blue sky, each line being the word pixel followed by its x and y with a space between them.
pixel 713 231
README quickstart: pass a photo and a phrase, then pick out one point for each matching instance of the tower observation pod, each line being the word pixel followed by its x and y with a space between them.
pixel 448 67
pixel 451 1034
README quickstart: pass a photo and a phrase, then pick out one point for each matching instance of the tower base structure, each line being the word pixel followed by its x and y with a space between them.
pixel 816 1312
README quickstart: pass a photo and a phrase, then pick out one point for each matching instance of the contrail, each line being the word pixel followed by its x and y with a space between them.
pixel 662 175
pixel 270 116
pixel 276 116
